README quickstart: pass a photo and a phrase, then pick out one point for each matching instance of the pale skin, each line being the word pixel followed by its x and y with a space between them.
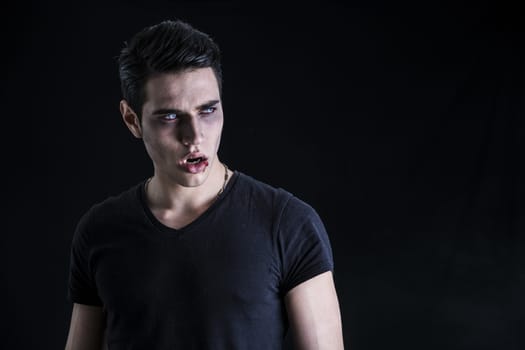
pixel 182 116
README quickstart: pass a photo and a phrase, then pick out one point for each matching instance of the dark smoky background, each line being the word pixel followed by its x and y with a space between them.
pixel 401 123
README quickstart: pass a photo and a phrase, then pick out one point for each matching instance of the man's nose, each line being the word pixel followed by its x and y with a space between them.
pixel 192 131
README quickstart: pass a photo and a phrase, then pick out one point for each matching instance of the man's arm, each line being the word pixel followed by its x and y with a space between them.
pixel 86 330
pixel 314 315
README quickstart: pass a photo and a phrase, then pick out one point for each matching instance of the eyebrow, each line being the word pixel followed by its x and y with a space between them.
pixel 204 105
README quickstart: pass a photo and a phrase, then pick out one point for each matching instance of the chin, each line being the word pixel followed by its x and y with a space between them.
pixel 195 180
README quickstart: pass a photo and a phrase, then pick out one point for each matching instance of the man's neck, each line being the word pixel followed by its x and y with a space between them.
pixel 163 194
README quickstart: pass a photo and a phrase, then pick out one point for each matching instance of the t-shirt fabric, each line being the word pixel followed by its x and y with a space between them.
pixel 217 283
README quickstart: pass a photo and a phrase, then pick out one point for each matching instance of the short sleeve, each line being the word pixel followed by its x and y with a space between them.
pixel 82 287
pixel 304 244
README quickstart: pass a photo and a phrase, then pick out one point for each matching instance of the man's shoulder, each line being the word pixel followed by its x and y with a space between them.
pixel 258 189
pixel 276 199
pixel 281 198
pixel 112 207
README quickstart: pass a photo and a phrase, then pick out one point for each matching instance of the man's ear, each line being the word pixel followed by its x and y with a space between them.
pixel 131 119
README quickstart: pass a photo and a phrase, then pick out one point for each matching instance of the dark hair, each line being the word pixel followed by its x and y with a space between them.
pixel 169 46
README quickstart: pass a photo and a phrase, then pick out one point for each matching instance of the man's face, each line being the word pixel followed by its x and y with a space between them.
pixel 182 122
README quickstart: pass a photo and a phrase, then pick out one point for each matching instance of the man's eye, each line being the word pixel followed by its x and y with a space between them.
pixel 170 116
pixel 209 110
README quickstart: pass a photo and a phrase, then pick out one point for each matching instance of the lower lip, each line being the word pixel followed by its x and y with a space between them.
pixel 196 168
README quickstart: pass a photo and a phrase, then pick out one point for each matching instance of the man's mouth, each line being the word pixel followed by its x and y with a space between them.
pixel 195 163
pixel 195 160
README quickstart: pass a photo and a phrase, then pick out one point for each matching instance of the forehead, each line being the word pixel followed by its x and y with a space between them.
pixel 188 87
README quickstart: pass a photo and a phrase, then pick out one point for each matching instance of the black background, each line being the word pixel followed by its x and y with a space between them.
pixel 402 124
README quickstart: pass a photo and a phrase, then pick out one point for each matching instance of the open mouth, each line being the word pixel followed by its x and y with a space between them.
pixel 195 163
pixel 196 160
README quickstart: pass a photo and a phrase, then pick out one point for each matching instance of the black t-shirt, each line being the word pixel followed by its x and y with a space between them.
pixel 217 283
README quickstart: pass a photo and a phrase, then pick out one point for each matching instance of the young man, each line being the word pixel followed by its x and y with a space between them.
pixel 198 256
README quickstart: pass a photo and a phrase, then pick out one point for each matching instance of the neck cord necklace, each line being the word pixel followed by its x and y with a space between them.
pixel 225 179
pixel 218 194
